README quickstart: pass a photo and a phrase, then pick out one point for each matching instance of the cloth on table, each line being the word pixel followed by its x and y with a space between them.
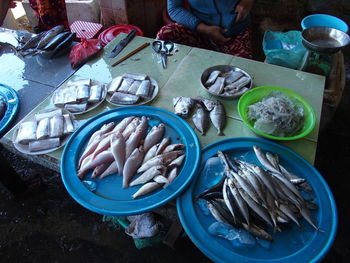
pixel 237 46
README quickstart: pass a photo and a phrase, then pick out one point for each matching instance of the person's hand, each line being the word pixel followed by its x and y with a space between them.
pixel 13 4
pixel 216 33
pixel 243 8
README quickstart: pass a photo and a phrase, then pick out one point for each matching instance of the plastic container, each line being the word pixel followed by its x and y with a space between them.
pixel 324 20
pixel 258 93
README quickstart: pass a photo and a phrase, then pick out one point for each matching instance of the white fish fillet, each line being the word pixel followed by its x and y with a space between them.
pixel 76 107
pixel 135 76
pixel 83 92
pixel 45 144
pixel 42 130
pixel 56 126
pixel 113 87
pixel 212 77
pixel 134 87
pixel 26 132
pixel 48 114
pixel 68 126
pixel 126 84
pixel 95 93
pixel 79 82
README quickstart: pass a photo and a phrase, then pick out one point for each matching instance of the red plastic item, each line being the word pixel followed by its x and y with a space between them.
pixel 110 33
pixel 85 29
pixel 84 51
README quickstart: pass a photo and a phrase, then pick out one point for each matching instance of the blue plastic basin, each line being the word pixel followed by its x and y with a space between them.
pixel 324 20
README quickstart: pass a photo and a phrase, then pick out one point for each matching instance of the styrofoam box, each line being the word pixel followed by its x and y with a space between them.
pixel 84 10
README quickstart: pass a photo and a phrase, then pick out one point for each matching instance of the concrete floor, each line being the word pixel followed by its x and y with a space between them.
pixel 52 227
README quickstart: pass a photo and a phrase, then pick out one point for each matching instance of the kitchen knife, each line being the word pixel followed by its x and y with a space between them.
pixel 119 47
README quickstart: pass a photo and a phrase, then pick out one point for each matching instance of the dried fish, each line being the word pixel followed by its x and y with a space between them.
pixel 232 76
pixel 95 93
pixel 183 105
pixel 56 126
pixel 114 86
pixel 124 99
pixel 42 130
pixel 218 86
pixel 45 144
pixel 212 77
pixel 26 132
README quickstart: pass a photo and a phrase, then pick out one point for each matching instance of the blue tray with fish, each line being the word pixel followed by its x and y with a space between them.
pixel 293 244
pixel 106 196
pixel 11 104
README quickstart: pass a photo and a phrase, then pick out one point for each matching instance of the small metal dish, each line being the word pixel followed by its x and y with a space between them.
pixel 324 39
pixel 225 69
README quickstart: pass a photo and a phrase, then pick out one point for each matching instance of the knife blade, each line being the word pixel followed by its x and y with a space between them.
pixel 119 47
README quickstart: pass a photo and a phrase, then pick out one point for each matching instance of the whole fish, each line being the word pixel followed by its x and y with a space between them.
pixel 49 35
pixel 241 204
pixel 263 160
pixel 182 106
pixel 162 159
pixel 33 42
pixel 149 175
pixel 104 129
pixel 131 165
pixel 56 40
pixel 217 117
pixel 225 191
pixel 174 147
pixel 163 144
pixel 100 169
pixel 208 104
pixel 117 142
pixel 161 179
pixel 112 169
pixel 257 231
pixel 134 140
pixel 103 145
pixel 154 136
pixel 131 127
pixel 177 162
pixel 146 189
pixel 101 158
pixel 172 175
pixel 150 153
pixel 63 45
pixel 201 119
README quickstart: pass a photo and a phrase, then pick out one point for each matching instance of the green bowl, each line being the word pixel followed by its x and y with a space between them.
pixel 257 94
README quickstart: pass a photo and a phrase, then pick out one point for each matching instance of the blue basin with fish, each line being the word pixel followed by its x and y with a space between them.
pixel 294 244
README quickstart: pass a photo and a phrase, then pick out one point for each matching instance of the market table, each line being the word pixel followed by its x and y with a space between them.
pixel 182 78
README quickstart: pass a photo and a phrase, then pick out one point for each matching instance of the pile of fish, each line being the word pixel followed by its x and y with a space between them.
pixel 132 148
pixel 79 95
pixel 46 131
pixel 48 44
pixel 3 107
pixel 227 83
pixel 254 199
pixel 130 89
pixel 205 109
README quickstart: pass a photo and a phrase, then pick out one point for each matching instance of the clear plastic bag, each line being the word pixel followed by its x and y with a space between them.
pixel 284 49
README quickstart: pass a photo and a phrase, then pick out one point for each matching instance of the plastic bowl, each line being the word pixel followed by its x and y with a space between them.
pixel 324 20
pixel 258 93
pixel 224 69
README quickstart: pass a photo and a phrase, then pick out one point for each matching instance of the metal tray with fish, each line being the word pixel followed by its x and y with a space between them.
pixel 80 95
pixel 53 126
pixel 122 96
pixel 9 106
pixel 106 195
pixel 226 81
pixel 292 244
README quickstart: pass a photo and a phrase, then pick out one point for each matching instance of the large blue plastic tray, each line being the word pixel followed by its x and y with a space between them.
pixel 110 198
pixel 12 99
pixel 290 246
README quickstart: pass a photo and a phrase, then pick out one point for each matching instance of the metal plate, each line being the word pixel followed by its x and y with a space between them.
pixel 90 106
pixel 12 100
pixel 293 245
pixel 143 102
pixel 110 198
pixel 24 148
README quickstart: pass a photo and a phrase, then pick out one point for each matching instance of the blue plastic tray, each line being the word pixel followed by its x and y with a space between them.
pixel 11 96
pixel 290 246
pixel 110 198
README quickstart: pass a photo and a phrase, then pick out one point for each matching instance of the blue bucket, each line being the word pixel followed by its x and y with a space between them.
pixel 324 20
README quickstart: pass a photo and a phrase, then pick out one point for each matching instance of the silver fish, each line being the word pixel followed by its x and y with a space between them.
pixel 200 119
pixel 163 144
pixel 232 76
pixel 241 204
pixel 135 76
pixel 117 142
pixel 146 189
pixel 144 89
pixel 212 77
pixel 95 93
pixel 45 144
pixel 225 190
pixel 131 165
pixel 154 136
pixel 75 108
pixel 83 92
pixel 306 214
pixel 49 35
pixel 114 85
pixel 32 42
pixel 42 130
pixel 218 86
pixel 56 126
pixel 182 106
pixel 26 132
pixel 112 169
pixel 208 104
pixel 257 231
pixel 255 182
pixel 134 87
pixel 288 212
pixel 217 117
pixel 124 99
pixel 149 175
pixel 47 114
pixel 126 84
pixel 263 160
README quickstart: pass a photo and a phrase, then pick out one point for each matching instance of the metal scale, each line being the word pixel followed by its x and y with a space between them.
pixel 322 44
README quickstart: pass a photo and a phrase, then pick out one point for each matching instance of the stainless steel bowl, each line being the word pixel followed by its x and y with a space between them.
pixel 224 69
pixel 324 39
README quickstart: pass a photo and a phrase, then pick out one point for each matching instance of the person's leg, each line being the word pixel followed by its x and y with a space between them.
pixel 240 46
